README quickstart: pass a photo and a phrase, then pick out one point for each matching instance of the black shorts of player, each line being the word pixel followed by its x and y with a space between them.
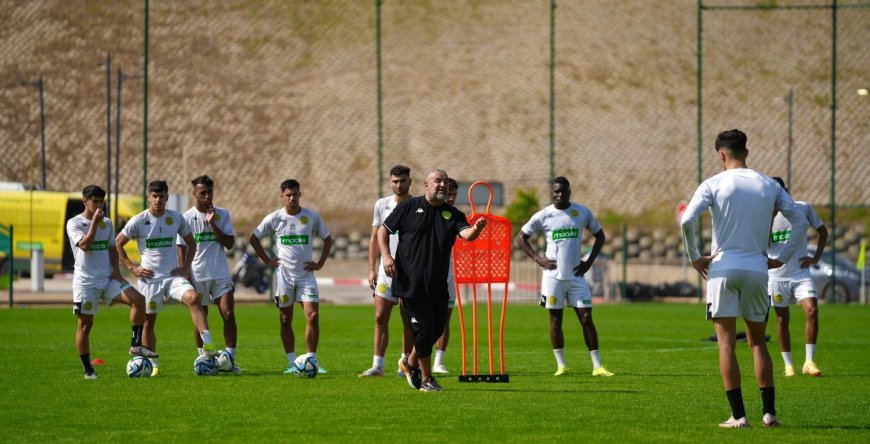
pixel 427 317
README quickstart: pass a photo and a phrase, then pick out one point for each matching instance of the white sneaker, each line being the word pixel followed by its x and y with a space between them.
pixel 399 372
pixel 732 423
pixel 439 369
pixel 770 421
pixel 141 350
pixel 372 372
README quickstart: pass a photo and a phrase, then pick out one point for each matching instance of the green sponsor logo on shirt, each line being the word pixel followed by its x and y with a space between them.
pixel 100 245
pixel 294 239
pixel 205 236
pixel 780 237
pixel 161 242
pixel 566 233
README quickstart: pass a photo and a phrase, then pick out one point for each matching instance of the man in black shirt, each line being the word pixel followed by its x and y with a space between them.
pixel 427 228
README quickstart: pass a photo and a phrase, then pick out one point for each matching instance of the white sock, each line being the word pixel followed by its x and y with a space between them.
pixel 811 352
pixel 232 351
pixel 439 357
pixel 199 349
pixel 154 362
pixel 560 356
pixel 404 356
pixel 291 357
pixel 786 357
pixel 596 358
pixel 313 355
pixel 206 337
pixel 378 362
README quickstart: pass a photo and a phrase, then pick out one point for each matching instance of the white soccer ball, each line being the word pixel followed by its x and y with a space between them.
pixel 307 366
pixel 225 361
pixel 205 366
pixel 139 367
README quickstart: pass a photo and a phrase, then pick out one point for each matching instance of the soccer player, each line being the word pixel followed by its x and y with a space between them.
pixel 212 231
pixel 742 203
pixel 380 283
pixel 792 283
pixel 97 278
pixel 441 345
pixel 562 225
pixel 428 228
pixel 160 276
pixel 293 227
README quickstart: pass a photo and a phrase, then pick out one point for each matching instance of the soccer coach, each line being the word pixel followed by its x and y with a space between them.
pixel 427 228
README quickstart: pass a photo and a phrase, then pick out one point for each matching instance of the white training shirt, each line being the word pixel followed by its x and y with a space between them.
pixel 781 232
pixel 383 208
pixel 563 231
pixel 92 267
pixel 210 262
pixel 156 238
pixel 742 202
pixel 293 238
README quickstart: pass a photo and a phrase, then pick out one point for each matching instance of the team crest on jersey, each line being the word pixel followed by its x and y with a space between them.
pixel 575 213
pixel 303 220
pixel 382 288
pixel 103 224
pixel 152 305
pixel 446 215
pixel 168 220
pixel 89 305
pixel 777 298
pixel 285 298
pixel 217 217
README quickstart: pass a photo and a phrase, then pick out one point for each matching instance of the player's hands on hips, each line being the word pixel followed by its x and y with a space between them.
pixel 373 279
pixel 142 272
pixel 703 264
pixel 312 266
pixel 389 266
pixel 773 263
pixel 116 275
pixel 546 264
pixel 807 261
pixel 581 269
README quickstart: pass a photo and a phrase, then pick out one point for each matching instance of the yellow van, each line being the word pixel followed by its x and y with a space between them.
pixel 39 220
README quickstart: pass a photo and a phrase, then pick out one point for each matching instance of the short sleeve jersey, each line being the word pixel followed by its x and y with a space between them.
pixel 155 236
pixel 426 237
pixel 92 267
pixel 563 231
pixel 383 208
pixel 293 235
pixel 210 262
pixel 781 232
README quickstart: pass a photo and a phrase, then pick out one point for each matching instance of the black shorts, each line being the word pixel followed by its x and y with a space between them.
pixel 428 318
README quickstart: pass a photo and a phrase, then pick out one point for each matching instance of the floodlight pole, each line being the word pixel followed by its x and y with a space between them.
pixel 790 100
pixel 108 65
pixel 39 83
pixel 121 78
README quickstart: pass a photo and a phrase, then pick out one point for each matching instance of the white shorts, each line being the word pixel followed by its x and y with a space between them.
pixel 451 292
pixel 554 293
pixel 737 293
pixel 87 301
pixel 785 293
pixel 213 289
pixel 384 288
pixel 158 291
pixel 288 291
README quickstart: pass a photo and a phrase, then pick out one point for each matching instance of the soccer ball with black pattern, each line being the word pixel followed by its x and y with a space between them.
pixel 205 366
pixel 139 367
pixel 307 366
pixel 225 361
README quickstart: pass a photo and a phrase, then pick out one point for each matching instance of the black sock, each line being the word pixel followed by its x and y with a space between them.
pixel 136 337
pixel 86 363
pixel 735 398
pixel 768 400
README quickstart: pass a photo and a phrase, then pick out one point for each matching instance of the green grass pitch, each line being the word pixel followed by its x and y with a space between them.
pixel 666 389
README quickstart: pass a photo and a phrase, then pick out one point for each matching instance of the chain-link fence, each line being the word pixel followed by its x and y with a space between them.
pixel 333 93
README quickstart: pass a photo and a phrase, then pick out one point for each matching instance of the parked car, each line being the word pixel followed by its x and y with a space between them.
pixel 848 283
